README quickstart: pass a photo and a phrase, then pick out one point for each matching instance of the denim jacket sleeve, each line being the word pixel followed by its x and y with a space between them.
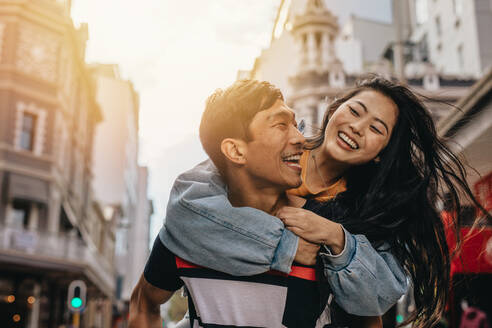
pixel 373 275
pixel 202 227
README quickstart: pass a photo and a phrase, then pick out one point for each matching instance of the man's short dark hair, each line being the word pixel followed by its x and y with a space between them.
pixel 229 112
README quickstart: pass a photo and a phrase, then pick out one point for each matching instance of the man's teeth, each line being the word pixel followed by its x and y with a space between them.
pixel 292 158
pixel 349 141
pixel 293 161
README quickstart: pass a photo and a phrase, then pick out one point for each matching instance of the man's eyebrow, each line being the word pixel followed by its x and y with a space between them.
pixel 377 119
pixel 283 113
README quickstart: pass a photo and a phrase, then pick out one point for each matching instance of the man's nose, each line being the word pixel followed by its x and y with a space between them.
pixel 296 137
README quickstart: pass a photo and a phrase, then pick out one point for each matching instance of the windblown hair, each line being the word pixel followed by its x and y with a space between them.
pixel 394 201
pixel 228 114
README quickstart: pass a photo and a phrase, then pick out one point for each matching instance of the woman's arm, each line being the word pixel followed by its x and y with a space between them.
pixel 380 280
pixel 365 281
pixel 202 227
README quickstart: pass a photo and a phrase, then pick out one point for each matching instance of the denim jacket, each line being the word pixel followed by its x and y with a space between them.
pixel 203 227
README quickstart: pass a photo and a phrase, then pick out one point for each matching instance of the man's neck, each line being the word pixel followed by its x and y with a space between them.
pixel 243 192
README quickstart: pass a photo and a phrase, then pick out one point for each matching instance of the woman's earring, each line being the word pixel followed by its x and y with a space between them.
pixel 301 126
pixel 377 160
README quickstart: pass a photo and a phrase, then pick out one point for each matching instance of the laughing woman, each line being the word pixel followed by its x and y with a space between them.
pixel 374 174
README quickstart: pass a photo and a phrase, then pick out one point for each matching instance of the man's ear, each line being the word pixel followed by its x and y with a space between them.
pixel 234 150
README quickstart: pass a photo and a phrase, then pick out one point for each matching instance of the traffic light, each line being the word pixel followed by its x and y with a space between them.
pixel 76 297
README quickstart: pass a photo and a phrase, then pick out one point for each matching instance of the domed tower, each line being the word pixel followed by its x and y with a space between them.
pixel 319 74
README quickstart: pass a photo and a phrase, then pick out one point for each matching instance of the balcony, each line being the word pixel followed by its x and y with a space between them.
pixel 60 252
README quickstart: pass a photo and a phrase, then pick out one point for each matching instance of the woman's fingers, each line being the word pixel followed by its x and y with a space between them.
pixel 296 230
pixel 287 212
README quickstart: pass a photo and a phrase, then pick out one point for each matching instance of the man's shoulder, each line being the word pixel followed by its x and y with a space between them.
pixel 161 269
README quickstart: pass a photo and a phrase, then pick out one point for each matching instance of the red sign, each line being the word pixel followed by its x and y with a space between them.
pixel 483 191
pixel 475 255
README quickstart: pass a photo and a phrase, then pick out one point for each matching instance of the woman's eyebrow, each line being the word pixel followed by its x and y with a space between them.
pixel 382 122
pixel 362 104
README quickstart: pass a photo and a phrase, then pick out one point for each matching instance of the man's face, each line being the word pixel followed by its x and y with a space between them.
pixel 273 155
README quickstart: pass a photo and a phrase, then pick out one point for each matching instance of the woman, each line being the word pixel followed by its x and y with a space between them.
pixel 377 167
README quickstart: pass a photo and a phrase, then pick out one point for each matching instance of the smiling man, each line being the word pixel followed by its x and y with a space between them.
pixel 252 138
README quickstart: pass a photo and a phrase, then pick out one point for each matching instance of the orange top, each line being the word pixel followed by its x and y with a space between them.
pixel 324 194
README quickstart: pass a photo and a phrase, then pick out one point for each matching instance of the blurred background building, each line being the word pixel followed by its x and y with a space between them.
pixel 120 184
pixel 72 196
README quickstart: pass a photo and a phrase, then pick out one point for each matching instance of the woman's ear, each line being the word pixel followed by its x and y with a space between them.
pixel 234 150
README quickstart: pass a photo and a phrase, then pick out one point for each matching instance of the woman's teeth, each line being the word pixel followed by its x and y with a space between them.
pixel 348 140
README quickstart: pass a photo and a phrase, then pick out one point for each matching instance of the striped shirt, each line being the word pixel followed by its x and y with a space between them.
pixel 216 299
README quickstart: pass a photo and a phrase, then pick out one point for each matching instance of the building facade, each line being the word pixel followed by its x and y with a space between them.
pixel 120 184
pixel 456 34
pixel 51 230
pixel 320 50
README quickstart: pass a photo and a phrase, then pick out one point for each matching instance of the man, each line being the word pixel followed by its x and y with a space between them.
pixel 252 138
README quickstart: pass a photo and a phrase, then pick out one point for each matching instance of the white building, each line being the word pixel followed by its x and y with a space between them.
pixel 361 42
pixel 312 60
pixel 456 32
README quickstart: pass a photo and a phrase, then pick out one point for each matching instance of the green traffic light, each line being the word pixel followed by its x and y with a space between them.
pixel 399 318
pixel 76 302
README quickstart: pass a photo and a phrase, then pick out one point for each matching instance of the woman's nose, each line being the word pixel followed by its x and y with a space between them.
pixel 357 127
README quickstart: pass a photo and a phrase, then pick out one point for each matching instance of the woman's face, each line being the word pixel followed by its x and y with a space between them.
pixel 360 128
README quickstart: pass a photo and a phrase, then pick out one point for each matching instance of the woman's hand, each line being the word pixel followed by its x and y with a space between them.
pixel 312 227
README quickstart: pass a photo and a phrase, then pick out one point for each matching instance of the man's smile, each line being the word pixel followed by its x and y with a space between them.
pixel 292 161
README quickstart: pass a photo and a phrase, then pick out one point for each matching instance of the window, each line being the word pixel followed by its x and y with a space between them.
pixel 421 11
pixel 20 214
pixel 438 26
pixel 461 59
pixel 28 131
pixel 30 125
pixel 423 49
pixel 458 7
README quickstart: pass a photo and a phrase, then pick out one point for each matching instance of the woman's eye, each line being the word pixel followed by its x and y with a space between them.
pixel 375 129
pixel 281 125
pixel 353 111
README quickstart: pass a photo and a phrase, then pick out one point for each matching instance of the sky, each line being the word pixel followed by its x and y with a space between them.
pixel 176 53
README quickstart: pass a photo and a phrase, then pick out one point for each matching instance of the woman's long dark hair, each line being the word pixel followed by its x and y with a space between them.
pixel 395 200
